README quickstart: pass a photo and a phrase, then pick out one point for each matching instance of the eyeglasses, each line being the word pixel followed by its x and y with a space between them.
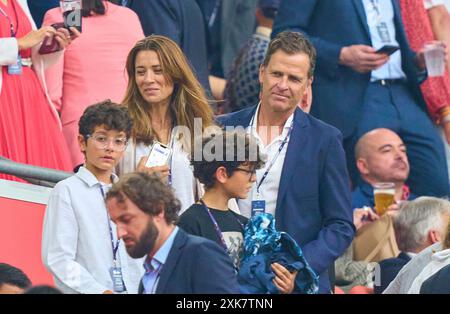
pixel 250 172
pixel 102 142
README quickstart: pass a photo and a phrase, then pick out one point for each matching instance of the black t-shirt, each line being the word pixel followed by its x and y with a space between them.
pixel 195 220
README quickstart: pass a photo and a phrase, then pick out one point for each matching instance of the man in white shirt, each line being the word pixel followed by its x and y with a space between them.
pixel 80 247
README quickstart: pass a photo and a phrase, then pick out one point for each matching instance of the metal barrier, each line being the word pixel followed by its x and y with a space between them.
pixel 33 174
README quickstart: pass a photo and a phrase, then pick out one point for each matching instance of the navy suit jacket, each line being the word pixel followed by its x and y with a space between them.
pixel 389 268
pixel 196 265
pixel 338 90
pixel 181 21
pixel 313 203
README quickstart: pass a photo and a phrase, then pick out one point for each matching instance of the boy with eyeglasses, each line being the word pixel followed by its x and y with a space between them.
pixel 227 168
pixel 80 247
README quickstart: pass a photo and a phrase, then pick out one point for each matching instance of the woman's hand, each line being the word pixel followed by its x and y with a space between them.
pixel 35 37
pixel 64 37
pixel 161 171
pixel 284 280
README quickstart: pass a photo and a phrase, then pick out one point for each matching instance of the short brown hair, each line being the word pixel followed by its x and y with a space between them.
pixel 148 193
pixel 292 43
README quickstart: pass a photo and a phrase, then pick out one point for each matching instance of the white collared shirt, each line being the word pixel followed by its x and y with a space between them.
pixel 76 241
pixel 183 181
pixel 268 191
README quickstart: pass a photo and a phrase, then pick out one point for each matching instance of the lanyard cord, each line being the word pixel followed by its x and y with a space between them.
pixel 11 26
pixel 171 144
pixel 213 16
pixel 216 225
pixel 116 246
pixel 272 162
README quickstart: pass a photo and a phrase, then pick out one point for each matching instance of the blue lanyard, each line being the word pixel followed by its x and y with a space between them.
pixel 116 246
pixel 11 26
pixel 216 225
pixel 280 149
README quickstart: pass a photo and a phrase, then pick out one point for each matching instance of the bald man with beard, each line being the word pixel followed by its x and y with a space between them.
pixel 380 157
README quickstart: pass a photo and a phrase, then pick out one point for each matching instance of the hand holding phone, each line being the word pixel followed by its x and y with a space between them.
pixel 388 49
pixel 50 44
pixel 159 155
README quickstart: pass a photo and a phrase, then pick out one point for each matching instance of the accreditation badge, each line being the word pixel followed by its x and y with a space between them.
pixel 117 279
pixel 15 69
pixel 383 32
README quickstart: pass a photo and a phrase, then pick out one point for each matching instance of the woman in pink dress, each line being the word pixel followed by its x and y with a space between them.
pixel 30 130
pixel 93 67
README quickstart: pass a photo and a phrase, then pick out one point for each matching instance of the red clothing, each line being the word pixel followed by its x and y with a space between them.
pixel 435 90
pixel 29 131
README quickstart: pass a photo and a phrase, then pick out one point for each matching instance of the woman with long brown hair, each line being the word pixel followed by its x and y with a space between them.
pixel 163 95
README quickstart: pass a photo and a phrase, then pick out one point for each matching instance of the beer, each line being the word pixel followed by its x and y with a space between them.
pixel 384 196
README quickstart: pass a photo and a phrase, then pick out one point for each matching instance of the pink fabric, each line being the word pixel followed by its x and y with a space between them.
pixel 93 67
pixel 360 290
pixel 435 90
pixel 338 290
pixel 29 131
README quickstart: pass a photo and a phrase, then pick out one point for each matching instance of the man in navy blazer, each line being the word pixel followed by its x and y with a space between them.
pixel 357 89
pixel 304 182
pixel 145 212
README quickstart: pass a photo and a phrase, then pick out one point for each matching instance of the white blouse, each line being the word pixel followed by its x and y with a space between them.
pixel 184 184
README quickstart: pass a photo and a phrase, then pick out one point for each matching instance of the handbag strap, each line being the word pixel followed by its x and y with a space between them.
pixel 380 243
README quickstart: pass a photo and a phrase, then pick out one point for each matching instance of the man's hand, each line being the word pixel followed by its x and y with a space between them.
pixel 284 280
pixel 393 210
pixel 420 56
pixel 363 216
pixel 362 58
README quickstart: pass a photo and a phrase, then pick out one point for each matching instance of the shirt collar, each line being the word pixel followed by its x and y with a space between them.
pixel 90 179
pixel 160 256
pixel 254 121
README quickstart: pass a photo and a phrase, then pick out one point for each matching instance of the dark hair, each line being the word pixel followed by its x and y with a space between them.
pixel 111 115
pixel 237 148
pixel 148 193
pixel 42 289
pixel 10 275
pixel 95 6
pixel 292 43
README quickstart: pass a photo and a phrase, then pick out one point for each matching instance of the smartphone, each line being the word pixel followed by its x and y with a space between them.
pixel 388 49
pixel 73 18
pixel 159 155
pixel 50 45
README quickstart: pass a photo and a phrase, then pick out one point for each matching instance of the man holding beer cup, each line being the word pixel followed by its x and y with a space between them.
pixel 383 164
